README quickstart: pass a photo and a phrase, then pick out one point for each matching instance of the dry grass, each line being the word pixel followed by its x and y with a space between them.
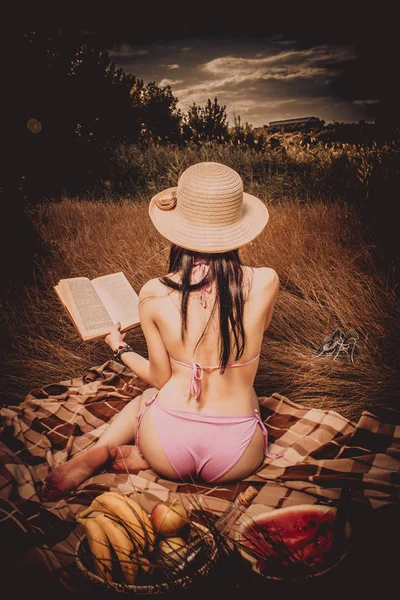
pixel 328 281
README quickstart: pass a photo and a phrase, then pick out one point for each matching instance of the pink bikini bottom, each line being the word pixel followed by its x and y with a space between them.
pixel 202 445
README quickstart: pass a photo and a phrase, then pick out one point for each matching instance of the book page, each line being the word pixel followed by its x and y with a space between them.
pixel 85 306
pixel 119 297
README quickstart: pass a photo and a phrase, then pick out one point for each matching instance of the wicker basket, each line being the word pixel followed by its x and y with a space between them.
pixel 82 560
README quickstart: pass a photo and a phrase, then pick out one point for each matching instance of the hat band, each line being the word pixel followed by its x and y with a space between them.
pixel 167 202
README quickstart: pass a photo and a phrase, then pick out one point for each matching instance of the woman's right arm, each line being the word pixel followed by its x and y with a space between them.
pixel 156 370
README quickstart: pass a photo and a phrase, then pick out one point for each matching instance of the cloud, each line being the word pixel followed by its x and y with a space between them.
pixel 318 61
pixel 363 102
pixel 285 42
pixel 126 51
pixel 166 81
pixel 172 66
pixel 186 50
pixel 268 85
pixel 251 108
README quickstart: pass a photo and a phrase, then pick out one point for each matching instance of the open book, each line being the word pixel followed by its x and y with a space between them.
pixel 94 305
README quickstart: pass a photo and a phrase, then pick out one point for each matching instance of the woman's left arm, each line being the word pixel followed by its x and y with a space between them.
pixel 155 371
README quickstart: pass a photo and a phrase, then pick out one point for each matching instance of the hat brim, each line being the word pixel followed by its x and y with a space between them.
pixel 201 237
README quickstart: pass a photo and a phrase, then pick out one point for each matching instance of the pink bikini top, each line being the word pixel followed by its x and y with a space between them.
pixel 197 372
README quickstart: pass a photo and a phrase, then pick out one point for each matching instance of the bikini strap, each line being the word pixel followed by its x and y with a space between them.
pixel 197 372
pixel 243 364
pixel 213 367
pixel 201 268
pixel 260 422
pixel 139 417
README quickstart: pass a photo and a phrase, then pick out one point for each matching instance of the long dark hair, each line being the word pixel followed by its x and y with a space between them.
pixel 226 271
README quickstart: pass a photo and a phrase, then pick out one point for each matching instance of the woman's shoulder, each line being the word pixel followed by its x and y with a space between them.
pixel 153 288
pixel 263 278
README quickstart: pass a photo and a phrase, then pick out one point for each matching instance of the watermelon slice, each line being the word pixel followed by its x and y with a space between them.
pixel 296 541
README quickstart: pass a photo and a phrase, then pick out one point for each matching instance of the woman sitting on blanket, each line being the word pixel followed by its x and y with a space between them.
pixel 203 324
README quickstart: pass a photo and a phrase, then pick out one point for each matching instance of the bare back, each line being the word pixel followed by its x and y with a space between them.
pixel 231 392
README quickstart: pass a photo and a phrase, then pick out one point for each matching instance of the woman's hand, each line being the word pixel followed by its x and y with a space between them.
pixel 115 337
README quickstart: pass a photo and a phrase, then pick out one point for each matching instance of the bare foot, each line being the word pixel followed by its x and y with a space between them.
pixel 72 473
pixel 127 460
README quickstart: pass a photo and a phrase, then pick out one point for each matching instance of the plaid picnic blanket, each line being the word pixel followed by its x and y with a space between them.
pixel 322 454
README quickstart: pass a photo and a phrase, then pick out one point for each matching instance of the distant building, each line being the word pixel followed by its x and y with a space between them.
pixel 301 123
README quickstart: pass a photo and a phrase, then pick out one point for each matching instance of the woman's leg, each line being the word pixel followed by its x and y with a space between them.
pixel 121 431
pixel 124 455
pixel 126 459
pixel 69 475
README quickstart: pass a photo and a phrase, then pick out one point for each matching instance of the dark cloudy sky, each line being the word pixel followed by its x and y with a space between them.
pixel 259 78
pixel 263 60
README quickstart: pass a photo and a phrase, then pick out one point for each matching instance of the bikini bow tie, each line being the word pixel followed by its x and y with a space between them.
pixel 196 375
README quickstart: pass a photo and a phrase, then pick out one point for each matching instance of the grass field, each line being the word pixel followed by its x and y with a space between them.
pixel 329 280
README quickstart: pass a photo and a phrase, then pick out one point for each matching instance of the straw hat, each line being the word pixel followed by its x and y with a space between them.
pixel 208 210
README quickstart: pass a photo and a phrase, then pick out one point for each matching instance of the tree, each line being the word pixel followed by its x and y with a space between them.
pixel 245 135
pixel 66 102
pixel 161 120
pixel 208 123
